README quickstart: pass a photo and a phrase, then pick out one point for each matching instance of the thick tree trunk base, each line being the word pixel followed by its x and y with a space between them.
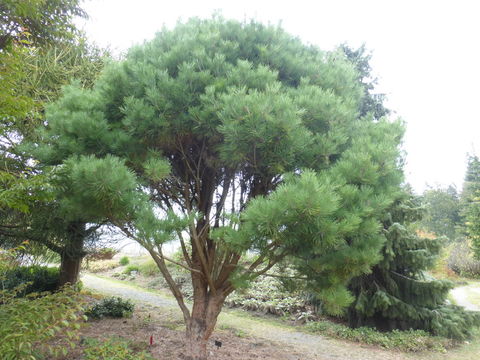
pixel 196 350
pixel 69 270
pixel 195 341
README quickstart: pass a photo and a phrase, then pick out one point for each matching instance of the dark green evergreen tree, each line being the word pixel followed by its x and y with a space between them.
pixel 398 293
pixel 372 102
pixel 470 201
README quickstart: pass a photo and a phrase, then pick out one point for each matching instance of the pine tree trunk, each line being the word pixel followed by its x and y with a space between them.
pixel 201 326
pixel 69 269
pixel 71 258
pixel 196 344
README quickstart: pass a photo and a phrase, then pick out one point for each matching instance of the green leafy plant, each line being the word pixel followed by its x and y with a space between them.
pixel 28 323
pixel 114 348
pixel 124 261
pixel 111 307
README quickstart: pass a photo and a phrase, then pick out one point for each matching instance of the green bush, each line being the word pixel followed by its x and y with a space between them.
pixel 114 348
pixel 148 268
pixel 37 278
pixel 111 307
pixel 102 254
pixel 131 268
pixel 124 261
pixel 27 324
pixel 408 341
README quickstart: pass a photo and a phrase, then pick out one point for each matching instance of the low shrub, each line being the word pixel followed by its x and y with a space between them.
pixel 131 268
pixel 461 260
pixel 267 295
pixel 114 348
pixel 124 260
pixel 37 278
pixel 149 268
pixel 408 341
pixel 102 254
pixel 28 323
pixel 111 307
pixel 101 265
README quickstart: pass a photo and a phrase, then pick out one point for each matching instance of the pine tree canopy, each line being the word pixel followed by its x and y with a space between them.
pixel 246 139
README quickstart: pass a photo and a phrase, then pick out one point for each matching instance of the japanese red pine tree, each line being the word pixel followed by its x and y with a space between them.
pixel 241 138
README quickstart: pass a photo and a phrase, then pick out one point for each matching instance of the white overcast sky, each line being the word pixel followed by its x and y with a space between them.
pixel 426 54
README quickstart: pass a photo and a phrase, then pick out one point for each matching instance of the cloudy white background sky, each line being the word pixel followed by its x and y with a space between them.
pixel 426 54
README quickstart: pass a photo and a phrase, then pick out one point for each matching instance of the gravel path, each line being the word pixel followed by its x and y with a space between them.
pixel 133 293
pixel 312 346
pixel 461 296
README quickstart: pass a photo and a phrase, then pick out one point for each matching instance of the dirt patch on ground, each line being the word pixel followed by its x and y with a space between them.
pixel 168 338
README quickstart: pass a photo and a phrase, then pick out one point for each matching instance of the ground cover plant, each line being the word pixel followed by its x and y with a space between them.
pixel 113 348
pixel 406 340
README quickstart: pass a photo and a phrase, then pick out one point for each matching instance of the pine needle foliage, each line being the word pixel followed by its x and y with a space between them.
pixel 241 138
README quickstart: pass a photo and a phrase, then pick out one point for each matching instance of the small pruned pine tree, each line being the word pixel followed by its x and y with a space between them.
pixel 241 138
pixel 398 293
